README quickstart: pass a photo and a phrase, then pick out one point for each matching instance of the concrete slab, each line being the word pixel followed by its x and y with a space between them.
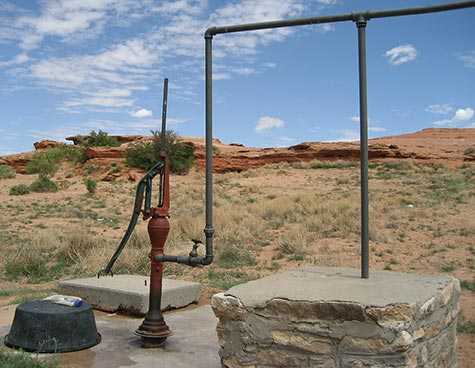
pixel 193 344
pixel 341 284
pixel 130 293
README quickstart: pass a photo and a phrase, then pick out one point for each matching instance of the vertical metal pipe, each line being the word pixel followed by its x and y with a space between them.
pixel 164 112
pixel 209 230
pixel 361 24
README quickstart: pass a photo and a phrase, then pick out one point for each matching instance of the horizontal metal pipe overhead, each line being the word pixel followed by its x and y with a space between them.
pixel 339 18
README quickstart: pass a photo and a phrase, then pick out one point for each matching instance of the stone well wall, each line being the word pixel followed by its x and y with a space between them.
pixel 303 319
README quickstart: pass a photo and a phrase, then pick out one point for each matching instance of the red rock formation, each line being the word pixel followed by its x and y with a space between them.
pixel 106 152
pixel 78 139
pixel 46 143
pixel 429 144
pixel 17 161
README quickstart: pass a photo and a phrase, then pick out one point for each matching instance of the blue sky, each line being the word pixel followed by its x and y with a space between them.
pixel 70 66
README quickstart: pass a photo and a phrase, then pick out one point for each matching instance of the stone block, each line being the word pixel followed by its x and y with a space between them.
pixel 330 317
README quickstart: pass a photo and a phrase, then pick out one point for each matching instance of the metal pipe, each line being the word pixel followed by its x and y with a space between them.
pixel 360 18
pixel 209 229
pixel 164 112
pixel 361 25
pixel 339 18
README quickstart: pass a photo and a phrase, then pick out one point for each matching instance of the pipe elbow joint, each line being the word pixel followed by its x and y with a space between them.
pixel 207 260
pixel 210 32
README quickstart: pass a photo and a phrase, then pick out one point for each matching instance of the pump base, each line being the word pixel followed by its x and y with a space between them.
pixel 153 332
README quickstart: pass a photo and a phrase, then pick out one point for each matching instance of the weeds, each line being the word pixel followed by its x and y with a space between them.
pixel 7 172
pixel 47 162
pixel 468 285
pixel 331 164
pixel 20 189
pixel 232 256
pixel 464 326
pixel 448 267
pixel 43 185
pixel 10 359
pixel 34 266
pixel 91 185
pixel 447 187
pixel 227 279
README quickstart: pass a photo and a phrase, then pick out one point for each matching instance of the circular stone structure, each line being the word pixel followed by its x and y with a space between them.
pixel 45 327
pixel 331 318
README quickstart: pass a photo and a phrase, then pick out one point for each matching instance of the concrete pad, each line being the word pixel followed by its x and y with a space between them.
pixel 193 344
pixel 130 293
pixel 341 284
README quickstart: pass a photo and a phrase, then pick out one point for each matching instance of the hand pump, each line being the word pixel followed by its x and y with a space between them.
pixel 153 329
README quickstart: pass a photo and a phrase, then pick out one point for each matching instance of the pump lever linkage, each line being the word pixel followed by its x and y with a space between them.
pixel 144 190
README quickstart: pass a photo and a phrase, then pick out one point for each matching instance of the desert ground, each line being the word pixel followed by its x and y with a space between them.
pixel 277 216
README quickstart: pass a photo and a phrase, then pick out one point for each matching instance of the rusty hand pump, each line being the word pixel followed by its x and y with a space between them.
pixel 153 329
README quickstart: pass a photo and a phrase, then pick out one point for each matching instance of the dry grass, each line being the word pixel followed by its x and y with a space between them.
pixel 256 212
pixel 267 219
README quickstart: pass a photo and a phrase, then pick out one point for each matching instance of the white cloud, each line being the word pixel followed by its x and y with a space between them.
pixel 176 6
pixel 221 76
pixel 137 61
pixel 377 129
pixel 142 113
pixel 463 114
pixel 244 71
pixel 356 119
pixel 460 116
pixel 325 28
pixel 19 59
pixel 65 18
pixel 269 122
pixel 401 54
pixel 346 135
pixel 121 64
pixel 468 59
pixel 371 128
pixel 269 65
pixel 439 109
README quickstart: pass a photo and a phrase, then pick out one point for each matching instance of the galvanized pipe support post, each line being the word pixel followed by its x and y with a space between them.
pixel 209 229
pixel 361 23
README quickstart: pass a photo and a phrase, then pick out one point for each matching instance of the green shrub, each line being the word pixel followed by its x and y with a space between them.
pixel 468 285
pixel 7 172
pixel 464 326
pixel 100 139
pixel 47 161
pixel 20 189
pixel 43 185
pixel 144 155
pixel 91 185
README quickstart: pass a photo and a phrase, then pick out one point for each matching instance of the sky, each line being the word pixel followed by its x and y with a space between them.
pixel 71 66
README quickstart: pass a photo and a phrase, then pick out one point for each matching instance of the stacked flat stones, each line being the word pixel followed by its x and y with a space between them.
pixel 329 317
